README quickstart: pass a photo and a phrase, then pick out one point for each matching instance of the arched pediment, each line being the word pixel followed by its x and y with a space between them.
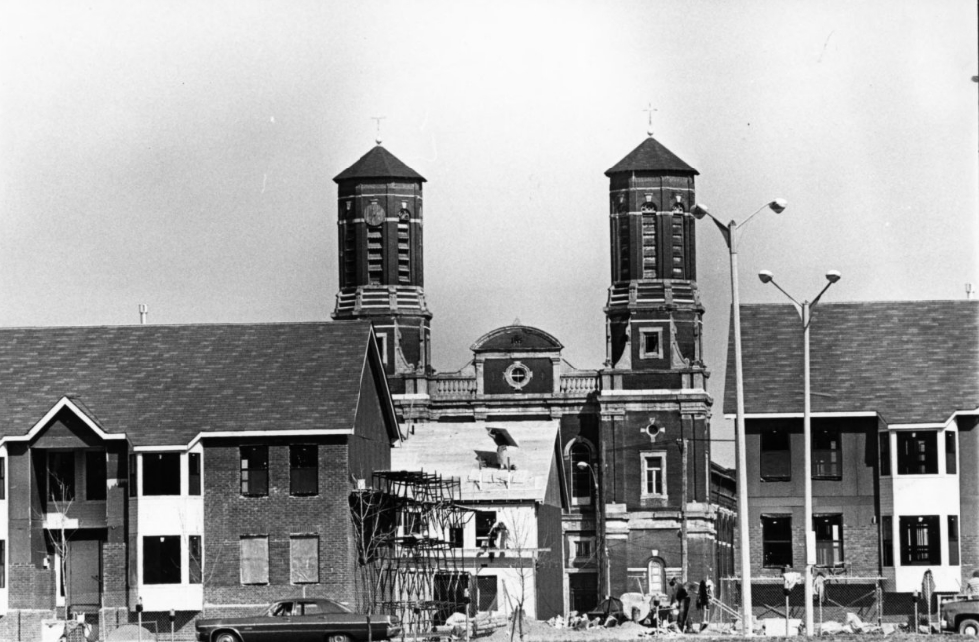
pixel 514 338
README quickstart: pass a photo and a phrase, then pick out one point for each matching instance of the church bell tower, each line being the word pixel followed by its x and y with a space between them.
pixel 379 222
pixel 653 313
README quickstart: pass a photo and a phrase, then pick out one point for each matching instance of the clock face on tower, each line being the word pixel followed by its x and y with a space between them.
pixel 374 214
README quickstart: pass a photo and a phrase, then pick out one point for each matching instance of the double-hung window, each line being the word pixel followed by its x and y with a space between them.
pixel 776 458
pixel 303 470
pixel 255 471
pixel 829 539
pixel 826 457
pixel 776 544
pixel 653 475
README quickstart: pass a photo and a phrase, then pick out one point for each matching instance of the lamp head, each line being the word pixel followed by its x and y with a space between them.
pixel 699 211
pixel 582 465
pixel 778 205
pixel 765 276
pixel 833 276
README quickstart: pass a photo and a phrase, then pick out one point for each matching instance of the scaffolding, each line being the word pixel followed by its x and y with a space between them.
pixel 409 526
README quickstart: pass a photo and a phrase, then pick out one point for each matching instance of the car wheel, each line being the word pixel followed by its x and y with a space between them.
pixel 969 626
pixel 338 637
pixel 226 636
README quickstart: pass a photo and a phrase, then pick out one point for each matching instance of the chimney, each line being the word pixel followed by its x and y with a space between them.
pixel 143 310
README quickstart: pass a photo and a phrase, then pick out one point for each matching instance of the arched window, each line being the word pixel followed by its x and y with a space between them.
pixel 581 476
pixel 656 573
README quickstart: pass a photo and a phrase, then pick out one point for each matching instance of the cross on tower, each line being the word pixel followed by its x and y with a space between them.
pixel 378 119
pixel 649 110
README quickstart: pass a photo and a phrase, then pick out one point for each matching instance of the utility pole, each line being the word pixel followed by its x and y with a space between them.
pixel 684 550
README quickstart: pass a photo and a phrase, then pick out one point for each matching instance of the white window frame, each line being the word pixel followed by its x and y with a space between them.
pixel 644 489
pixel 642 343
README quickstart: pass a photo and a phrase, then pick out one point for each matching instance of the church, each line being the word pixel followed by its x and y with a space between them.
pixel 645 501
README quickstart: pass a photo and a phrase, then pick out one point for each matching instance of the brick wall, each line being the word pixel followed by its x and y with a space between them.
pixel 229 516
pixel 30 587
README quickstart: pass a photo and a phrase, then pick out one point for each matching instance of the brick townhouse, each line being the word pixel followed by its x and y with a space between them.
pixel 895 446
pixel 637 427
pixel 193 467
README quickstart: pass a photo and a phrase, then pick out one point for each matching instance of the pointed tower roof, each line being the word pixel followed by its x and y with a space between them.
pixel 378 163
pixel 651 156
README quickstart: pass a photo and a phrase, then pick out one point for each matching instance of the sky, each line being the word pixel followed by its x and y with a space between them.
pixel 180 154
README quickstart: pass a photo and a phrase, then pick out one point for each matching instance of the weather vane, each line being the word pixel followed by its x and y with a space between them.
pixel 378 119
pixel 650 110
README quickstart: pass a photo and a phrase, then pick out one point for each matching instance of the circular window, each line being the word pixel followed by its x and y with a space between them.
pixel 517 375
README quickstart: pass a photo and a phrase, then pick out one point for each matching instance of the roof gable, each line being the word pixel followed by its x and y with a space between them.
pixel 378 163
pixel 908 361
pixel 165 385
pixel 651 156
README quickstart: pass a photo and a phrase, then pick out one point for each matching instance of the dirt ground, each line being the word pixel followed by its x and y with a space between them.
pixel 535 631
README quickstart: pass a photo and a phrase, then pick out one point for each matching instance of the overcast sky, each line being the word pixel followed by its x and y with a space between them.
pixel 181 154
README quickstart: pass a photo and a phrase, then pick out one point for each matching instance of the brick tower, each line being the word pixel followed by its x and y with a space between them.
pixel 655 448
pixel 381 273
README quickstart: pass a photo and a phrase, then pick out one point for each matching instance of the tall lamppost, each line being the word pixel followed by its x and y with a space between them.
pixel 600 528
pixel 729 232
pixel 805 312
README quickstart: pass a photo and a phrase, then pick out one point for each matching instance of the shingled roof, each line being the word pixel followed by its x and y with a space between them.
pixel 651 156
pixel 378 163
pixel 909 361
pixel 164 384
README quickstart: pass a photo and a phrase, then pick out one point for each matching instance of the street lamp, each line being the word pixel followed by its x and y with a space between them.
pixel 730 237
pixel 600 527
pixel 805 312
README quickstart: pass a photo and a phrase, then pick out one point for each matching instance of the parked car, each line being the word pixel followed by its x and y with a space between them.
pixel 961 616
pixel 300 620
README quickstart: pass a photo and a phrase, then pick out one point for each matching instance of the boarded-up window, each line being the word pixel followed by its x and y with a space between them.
pixel 304 559
pixel 255 560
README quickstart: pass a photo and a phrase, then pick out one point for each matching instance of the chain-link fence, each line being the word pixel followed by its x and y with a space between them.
pixel 835 598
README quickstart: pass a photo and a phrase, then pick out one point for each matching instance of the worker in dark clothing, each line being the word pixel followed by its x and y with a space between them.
pixel 680 600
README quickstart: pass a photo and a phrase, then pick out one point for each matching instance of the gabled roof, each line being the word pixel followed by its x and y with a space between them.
pixel 162 385
pixel 455 449
pixel 651 156
pixel 909 361
pixel 378 163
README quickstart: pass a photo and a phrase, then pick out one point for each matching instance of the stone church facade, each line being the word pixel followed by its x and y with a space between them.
pixel 646 501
